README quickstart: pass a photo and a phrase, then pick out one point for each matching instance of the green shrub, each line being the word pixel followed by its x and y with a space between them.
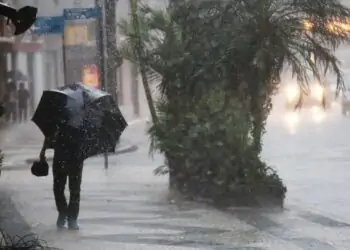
pixel 212 139
pixel 210 149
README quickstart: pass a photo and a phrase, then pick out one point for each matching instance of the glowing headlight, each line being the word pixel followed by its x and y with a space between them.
pixel 292 92
pixel 317 91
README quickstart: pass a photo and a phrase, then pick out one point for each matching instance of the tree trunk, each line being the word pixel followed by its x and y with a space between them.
pixel 257 133
pixel 113 58
pixel 256 111
pixel 137 46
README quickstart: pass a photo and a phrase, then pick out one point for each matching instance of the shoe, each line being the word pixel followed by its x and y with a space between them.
pixel 61 221
pixel 73 224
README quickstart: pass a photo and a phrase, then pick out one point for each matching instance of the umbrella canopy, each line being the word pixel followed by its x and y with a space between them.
pixel 92 113
pixel 102 127
pixel 51 111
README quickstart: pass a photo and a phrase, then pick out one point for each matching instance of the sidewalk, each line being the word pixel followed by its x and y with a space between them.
pixel 127 207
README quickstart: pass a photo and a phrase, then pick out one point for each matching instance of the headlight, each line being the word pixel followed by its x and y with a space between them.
pixel 292 92
pixel 317 92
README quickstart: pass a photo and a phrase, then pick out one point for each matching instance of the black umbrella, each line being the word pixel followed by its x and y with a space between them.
pixel 51 111
pixel 103 124
pixel 93 114
pixel 98 119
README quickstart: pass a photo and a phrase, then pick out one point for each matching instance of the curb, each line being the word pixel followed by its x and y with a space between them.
pixel 13 167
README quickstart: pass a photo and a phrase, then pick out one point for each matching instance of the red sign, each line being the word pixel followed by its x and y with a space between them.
pixel 90 76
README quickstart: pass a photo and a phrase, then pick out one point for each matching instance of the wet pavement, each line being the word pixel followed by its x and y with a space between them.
pixel 313 157
pixel 127 207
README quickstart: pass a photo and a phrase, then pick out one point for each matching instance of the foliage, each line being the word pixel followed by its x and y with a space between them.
pixel 27 242
pixel 204 53
pixel 138 52
pixel 212 150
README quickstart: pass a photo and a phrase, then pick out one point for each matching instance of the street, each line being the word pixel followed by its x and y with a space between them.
pixel 127 207
pixel 310 150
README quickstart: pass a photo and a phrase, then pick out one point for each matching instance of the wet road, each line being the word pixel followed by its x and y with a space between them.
pixel 311 151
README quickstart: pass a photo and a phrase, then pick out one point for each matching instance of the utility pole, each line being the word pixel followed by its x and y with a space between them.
pixel 102 53
pixel 108 55
pixel 101 44
pixel 113 59
pixel 107 42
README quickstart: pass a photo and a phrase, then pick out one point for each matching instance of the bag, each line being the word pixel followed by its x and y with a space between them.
pixel 40 168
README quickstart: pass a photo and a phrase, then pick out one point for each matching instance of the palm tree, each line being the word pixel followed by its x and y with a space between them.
pixel 279 35
pixel 273 35
pixel 136 53
pixel 240 46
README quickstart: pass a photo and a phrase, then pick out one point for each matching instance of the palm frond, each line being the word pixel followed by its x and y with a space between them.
pixel 197 38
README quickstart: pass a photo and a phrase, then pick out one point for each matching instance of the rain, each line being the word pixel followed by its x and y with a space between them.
pixel 182 125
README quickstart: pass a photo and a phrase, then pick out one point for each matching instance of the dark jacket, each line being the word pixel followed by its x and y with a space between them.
pixel 65 144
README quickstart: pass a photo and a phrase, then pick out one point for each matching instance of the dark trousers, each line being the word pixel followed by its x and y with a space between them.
pixel 23 114
pixel 62 170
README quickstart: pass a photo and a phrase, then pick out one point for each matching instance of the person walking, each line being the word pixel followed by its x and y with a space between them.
pixel 23 97
pixel 66 165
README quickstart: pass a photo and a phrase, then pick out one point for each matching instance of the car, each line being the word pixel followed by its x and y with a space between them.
pixel 318 95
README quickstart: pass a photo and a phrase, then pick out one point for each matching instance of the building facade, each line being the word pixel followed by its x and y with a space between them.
pixel 6 42
pixel 21 53
pixel 52 56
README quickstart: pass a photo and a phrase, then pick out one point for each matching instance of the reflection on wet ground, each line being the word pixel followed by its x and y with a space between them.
pixel 189 226
pixel 314 115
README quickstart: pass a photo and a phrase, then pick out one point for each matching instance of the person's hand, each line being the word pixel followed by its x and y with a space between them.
pixel 42 156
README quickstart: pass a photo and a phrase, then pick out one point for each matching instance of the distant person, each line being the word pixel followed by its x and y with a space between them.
pixel 11 102
pixel 2 109
pixel 23 98
pixel 2 113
